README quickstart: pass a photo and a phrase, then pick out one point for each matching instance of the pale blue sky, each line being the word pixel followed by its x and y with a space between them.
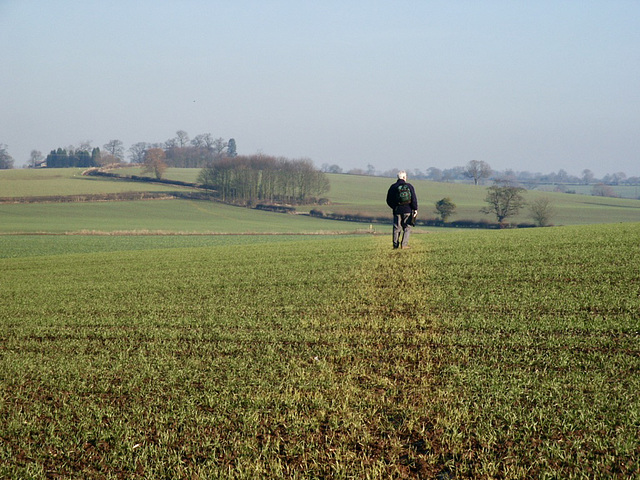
pixel 535 86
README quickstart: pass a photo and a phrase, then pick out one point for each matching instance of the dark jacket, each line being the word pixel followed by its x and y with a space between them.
pixel 392 199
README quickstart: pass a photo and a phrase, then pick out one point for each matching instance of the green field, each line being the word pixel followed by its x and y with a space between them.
pixel 192 339
pixel 366 195
pixel 164 216
pixel 67 181
pixel 622 191
pixel 349 194
pixel 495 354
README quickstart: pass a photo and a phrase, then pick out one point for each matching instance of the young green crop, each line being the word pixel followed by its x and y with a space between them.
pixel 349 194
pixel 504 354
pixel 158 216
pixel 67 181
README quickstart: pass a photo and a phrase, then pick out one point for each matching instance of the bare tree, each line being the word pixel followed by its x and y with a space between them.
pixel 504 201
pixel 541 211
pixel 85 146
pixel 218 146
pixel 182 139
pixel 477 169
pixel 137 151
pixel 115 148
pixel 203 140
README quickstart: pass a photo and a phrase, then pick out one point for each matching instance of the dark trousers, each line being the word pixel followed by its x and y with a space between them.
pixel 401 229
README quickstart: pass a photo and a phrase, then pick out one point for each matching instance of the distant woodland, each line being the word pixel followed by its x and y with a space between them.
pixel 260 178
pixel 265 178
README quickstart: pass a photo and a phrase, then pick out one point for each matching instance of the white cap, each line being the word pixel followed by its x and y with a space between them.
pixel 402 175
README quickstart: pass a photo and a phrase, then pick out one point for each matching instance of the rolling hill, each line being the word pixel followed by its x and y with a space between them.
pixel 349 194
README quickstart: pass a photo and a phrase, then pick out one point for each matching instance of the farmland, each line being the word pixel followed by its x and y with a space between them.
pixel 366 195
pixel 349 194
pixel 510 354
pixel 148 339
pixel 153 216
pixel 66 181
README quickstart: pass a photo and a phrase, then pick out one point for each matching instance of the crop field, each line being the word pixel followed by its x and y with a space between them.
pixel 366 195
pixel 349 194
pixel 165 216
pixel 494 354
pixel 67 181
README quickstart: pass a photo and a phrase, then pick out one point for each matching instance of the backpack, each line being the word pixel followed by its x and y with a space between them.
pixel 404 194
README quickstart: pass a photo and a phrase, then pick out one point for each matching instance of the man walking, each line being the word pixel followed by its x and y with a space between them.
pixel 401 197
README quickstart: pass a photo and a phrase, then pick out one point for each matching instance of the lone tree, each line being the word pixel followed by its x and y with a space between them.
pixel 504 201
pixel 541 211
pixel 154 162
pixel 445 208
pixel 477 169
pixel 115 148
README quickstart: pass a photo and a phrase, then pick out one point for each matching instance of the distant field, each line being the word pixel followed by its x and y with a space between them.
pixel 622 191
pixel 66 181
pixel 349 194
pixel 496 354
pixel 165 216
pixel 182 174
pixel 367 195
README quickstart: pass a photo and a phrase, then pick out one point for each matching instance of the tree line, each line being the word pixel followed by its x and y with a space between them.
pixel 461 173
pixel 247 180
pixel 63 158
pixel 254 179
pixel 179 151
pixel 182 152
pixel 197 152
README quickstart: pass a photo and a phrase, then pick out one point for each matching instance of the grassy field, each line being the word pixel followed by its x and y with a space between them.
pixel 128 353
pixel 366 195
pixel 622 191
pixel 67 181
pixel 348 194
pixel 495 354
pixel 168 216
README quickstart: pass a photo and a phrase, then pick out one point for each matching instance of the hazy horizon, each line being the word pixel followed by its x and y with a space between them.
pixel 525 86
